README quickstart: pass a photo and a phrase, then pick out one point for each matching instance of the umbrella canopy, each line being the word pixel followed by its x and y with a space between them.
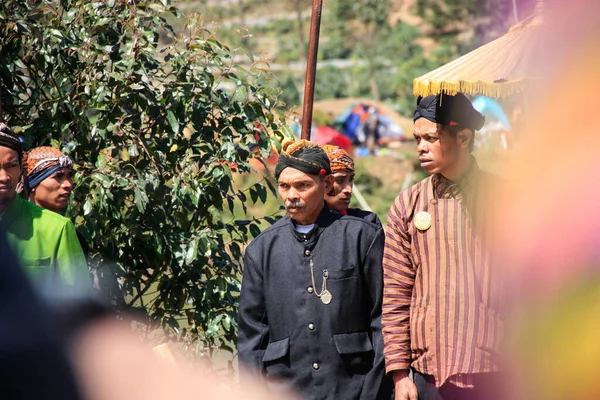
pixel 500 68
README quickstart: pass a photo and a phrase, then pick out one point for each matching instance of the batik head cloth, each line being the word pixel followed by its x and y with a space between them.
pixel 40 163
pixel 304 156
pixel 339 159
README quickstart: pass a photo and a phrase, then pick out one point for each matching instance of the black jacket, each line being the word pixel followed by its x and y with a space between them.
pixel 322 351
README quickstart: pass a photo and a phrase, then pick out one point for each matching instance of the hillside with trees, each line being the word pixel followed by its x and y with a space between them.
pixel 371 48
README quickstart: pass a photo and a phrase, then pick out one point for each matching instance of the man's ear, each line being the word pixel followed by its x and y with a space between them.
pixel 465 136
pixel 328 179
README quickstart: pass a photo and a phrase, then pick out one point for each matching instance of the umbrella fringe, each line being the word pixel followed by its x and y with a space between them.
pixel 489 89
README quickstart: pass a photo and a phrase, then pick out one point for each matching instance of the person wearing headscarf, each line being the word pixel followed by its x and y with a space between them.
pixel 310 306
pixel 48 182
pixel 48 178
pixel 339 197
pixel 441 305
pixel 45 242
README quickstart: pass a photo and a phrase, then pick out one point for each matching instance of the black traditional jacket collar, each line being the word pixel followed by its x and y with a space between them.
pixel 324 220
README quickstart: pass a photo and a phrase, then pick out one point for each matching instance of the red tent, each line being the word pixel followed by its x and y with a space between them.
pixel 327 135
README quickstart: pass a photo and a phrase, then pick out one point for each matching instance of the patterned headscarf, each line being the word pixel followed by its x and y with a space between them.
pixel 339 159
pixel 40 163
pixel 305 156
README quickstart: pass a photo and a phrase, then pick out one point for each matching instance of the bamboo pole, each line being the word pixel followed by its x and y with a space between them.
pixel 311 68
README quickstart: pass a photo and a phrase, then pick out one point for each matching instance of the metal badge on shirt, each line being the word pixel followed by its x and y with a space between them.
pixel 422 220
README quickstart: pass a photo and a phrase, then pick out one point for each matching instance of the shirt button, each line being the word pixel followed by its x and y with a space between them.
pixel 311 326
pixel 310 289
pixel 316 366
pixel 307 253
pixel 434 201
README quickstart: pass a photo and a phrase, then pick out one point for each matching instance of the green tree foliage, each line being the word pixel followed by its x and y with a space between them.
pixel 290 94
pixel 373 18
pixel 157 134
pixel 331 83
pixel 482 20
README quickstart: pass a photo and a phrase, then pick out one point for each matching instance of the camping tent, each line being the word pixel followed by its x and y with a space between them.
pixel 328 135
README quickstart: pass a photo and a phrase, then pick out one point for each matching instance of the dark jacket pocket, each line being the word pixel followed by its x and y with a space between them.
pixel 356 352
pixel 342 273
pixel 349 343
pixel 276 350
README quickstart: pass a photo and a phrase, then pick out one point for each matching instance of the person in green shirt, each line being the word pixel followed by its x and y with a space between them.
pixel 48 182
pixel 45 242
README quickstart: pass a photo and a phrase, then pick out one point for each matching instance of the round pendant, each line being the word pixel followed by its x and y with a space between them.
pixel 422 220
pixel 326 297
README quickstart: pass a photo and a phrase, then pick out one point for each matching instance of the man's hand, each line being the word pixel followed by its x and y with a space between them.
pixel 404 387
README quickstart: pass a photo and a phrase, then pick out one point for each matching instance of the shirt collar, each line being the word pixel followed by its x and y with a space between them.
pixel 445 188
pixel 325 218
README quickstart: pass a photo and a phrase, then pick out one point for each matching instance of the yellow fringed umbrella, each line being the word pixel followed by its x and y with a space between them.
pixel 505 66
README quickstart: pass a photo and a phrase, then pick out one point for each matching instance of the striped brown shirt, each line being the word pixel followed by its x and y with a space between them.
pixel 439 303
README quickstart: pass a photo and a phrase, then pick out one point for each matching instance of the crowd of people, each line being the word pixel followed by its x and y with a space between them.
pixel 332 306
pixel 35 189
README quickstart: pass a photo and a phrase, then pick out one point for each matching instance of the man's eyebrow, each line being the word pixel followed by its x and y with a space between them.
pixel 430 132
pixel 303 181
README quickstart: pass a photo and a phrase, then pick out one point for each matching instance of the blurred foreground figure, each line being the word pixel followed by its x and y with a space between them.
pixel 111 364
pixel 339 197
pixel 441 302
pixel 74 350
pixel 551 220
pixel 33 357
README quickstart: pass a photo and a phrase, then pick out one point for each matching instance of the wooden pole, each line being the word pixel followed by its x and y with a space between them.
pixel 311 68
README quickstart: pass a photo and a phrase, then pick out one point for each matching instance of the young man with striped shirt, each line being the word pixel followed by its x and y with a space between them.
pixel 440 306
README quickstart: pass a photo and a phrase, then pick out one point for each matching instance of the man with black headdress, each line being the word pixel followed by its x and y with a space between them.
pixel 310 306
pixel 45 242
pixel 441 305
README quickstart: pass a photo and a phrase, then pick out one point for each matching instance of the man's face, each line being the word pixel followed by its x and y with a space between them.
pixel 54 192
pixel 302 194
pixel 341 194
pixel 10 172
pixel 438 149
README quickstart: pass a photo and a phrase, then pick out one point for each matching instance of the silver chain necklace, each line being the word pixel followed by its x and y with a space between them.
pixel 325 294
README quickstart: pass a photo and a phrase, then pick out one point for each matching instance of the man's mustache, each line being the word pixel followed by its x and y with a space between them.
pixel 295 204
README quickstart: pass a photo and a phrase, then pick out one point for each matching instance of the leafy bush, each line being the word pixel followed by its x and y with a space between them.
pixel 156 132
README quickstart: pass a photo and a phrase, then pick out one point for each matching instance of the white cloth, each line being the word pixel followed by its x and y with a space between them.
pixel 304 228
